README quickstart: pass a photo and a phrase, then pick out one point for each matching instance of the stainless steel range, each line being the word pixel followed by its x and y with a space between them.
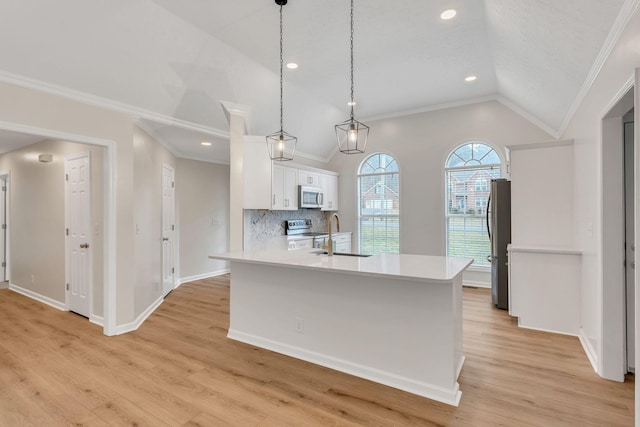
pixel 300 236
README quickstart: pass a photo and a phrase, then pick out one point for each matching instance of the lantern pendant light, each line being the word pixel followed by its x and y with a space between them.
pixel 280 144
pixel 352 135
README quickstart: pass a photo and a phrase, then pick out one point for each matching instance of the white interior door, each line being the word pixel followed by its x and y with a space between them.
pixel 168 229
pixel 78 231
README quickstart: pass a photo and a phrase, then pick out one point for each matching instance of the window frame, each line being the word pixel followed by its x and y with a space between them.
pixel 358 212
pixel 502 166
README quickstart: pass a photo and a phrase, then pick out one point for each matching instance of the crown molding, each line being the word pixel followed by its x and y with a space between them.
pixel 241 110
pixel 430 108
pixel 627 11
pixel 196 159
pixel 528 116
pixel 98 101
pixel 157 137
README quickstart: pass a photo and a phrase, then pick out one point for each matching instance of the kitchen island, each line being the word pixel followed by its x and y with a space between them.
pixel 393 319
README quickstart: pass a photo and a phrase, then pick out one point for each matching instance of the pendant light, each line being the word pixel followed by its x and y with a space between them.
pixel 280 144
pixel 352 135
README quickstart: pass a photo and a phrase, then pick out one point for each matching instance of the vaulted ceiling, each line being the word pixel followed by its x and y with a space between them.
pixel 174 62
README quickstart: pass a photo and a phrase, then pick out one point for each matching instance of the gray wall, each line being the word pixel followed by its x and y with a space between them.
pixel 149 156
pixel 421 143
pixel 202 192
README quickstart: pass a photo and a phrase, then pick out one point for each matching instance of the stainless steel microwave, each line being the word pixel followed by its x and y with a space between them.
pixel 310 197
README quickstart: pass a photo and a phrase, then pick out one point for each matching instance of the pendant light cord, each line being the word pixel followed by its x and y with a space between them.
pixel 351 40
pixel 281 68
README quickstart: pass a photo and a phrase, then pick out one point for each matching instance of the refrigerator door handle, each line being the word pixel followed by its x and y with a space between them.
pixel 487 216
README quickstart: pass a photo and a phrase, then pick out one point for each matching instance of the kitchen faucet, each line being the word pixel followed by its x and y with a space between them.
pixel 330 241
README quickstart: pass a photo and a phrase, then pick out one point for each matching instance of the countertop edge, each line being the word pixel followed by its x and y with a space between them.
pixel 240 257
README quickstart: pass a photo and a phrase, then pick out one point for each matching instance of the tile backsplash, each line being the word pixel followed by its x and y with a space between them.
pixel 265 224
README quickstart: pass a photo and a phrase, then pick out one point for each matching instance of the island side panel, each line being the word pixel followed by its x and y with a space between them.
pixel 403 333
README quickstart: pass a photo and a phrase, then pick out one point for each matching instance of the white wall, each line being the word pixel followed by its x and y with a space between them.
pixel 542 196
pixel 585 130
pixel 202 192
pixel 421 143
pixel 37 219
pixel 149 156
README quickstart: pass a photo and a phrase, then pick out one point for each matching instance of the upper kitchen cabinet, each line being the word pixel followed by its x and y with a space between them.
pixel 284 188
pixel 256 174
pixel 330 186
pixel 306 177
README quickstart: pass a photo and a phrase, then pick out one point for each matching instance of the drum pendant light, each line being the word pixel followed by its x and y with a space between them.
pixel 280 144
pixel 352 135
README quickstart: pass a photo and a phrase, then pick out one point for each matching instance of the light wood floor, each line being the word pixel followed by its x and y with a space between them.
pixel 179 369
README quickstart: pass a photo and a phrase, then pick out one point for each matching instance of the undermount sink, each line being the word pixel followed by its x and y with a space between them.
pixel 344 254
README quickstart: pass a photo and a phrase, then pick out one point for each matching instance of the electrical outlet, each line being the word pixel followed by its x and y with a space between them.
pixel 299 325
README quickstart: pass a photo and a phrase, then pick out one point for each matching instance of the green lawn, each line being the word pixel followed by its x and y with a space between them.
pixel 468 237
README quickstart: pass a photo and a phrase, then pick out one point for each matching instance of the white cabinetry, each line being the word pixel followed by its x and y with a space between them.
pixel 284 189
pixel 306 177
pixel 269 185
pixel 343 243
pixel 330 186
pixel 544 268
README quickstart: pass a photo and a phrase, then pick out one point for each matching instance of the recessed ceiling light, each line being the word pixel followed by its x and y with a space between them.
pixel 448 14
pixel 206 143
pixel 292 65
pixel 470 79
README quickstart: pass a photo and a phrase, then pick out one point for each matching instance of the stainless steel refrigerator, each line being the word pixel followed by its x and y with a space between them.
pixel 499 228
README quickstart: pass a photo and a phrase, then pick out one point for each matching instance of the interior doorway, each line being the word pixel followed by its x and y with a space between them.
pixel 629 212
pixel 168 229
pixel 616 352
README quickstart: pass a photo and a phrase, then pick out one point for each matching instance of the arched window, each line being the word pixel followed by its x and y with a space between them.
pixel 379 205
pixel 468 174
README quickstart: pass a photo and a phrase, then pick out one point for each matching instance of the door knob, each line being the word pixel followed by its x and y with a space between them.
pixel 84 245
pixel 165 239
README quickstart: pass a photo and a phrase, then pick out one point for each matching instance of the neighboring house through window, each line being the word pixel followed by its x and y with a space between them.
pixel 468 171
pixel 379 205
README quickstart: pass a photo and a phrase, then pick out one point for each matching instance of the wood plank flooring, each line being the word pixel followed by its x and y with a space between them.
pixel 179 369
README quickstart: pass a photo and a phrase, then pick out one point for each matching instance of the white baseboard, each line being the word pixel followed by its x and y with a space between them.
pixel 96 320
pixel 201 276
pixel 477 276
pixel 475 284
pixel 448 396
pixel 533 328
pixel 589 350
pixel 132 326
pixel 36 296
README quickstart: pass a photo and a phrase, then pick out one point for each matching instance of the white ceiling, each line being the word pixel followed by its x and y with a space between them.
pixel 175 61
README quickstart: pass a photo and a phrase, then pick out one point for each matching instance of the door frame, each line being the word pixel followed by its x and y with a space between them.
pixel 166 166
pixel 7 220
pixel 109 212
pixel 67 257
pixel 611 357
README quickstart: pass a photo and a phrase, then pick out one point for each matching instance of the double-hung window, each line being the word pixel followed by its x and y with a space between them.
pixel 379 205
pixel 468 172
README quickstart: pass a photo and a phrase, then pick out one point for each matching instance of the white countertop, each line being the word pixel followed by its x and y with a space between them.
pixel 412 267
